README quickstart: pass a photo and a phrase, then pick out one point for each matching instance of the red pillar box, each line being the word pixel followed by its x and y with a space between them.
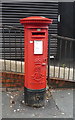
pixel 36 48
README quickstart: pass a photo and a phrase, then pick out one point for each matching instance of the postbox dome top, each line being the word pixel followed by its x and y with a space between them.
pixel 36 19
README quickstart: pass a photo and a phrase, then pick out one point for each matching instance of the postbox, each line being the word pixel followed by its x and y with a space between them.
pixel 35 54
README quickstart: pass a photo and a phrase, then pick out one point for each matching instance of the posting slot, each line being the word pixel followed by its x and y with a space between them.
pixel 38 33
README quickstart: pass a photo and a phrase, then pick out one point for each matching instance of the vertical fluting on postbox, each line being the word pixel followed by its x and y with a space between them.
pixel 35 58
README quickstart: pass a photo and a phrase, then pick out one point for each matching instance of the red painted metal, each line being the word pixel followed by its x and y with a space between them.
pixel 35 29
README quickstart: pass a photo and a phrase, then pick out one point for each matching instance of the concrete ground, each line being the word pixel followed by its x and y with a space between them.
pixel 58 105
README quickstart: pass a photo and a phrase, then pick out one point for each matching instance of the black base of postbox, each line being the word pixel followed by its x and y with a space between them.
pixel 35 98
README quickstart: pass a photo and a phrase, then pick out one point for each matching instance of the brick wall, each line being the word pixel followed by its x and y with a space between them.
pixel 15 81
pixel 10 79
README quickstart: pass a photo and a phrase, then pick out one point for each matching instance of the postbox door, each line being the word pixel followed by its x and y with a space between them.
pixel 36 62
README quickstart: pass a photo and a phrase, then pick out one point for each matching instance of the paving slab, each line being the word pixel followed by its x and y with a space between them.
pixel 59 105
pixel 64 101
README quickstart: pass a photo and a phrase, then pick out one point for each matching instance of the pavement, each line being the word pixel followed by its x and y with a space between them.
pixel 58 104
